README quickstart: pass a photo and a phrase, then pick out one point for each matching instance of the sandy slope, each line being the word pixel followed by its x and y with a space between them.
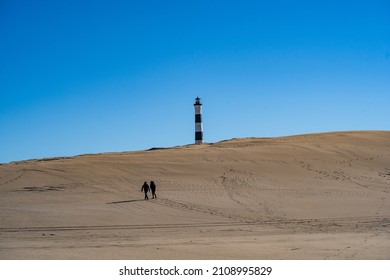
pixel 320 196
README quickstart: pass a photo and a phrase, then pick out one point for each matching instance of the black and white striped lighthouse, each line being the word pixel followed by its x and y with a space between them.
pixel 198 122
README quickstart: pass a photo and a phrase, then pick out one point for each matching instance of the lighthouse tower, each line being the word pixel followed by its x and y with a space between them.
pixel 198 122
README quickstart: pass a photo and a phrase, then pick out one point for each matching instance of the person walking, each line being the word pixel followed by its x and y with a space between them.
pixel 153 188
pixel 145 189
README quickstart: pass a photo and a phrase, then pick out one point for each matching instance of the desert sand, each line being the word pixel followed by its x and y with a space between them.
pixel 316 196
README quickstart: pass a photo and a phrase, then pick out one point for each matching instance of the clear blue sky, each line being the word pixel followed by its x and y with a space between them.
pixel 103 76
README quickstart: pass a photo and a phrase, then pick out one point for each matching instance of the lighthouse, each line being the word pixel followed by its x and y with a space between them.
pixel 198 122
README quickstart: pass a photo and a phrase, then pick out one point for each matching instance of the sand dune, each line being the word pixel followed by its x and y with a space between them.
pixel 318 196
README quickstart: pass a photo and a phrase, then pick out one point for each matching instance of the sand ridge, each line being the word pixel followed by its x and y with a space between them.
pixel 314 196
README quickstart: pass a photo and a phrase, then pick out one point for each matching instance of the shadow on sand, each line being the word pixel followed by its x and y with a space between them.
pixel 125 201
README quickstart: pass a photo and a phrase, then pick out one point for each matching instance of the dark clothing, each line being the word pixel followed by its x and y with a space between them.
pixel 153 188
pixel 145 188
